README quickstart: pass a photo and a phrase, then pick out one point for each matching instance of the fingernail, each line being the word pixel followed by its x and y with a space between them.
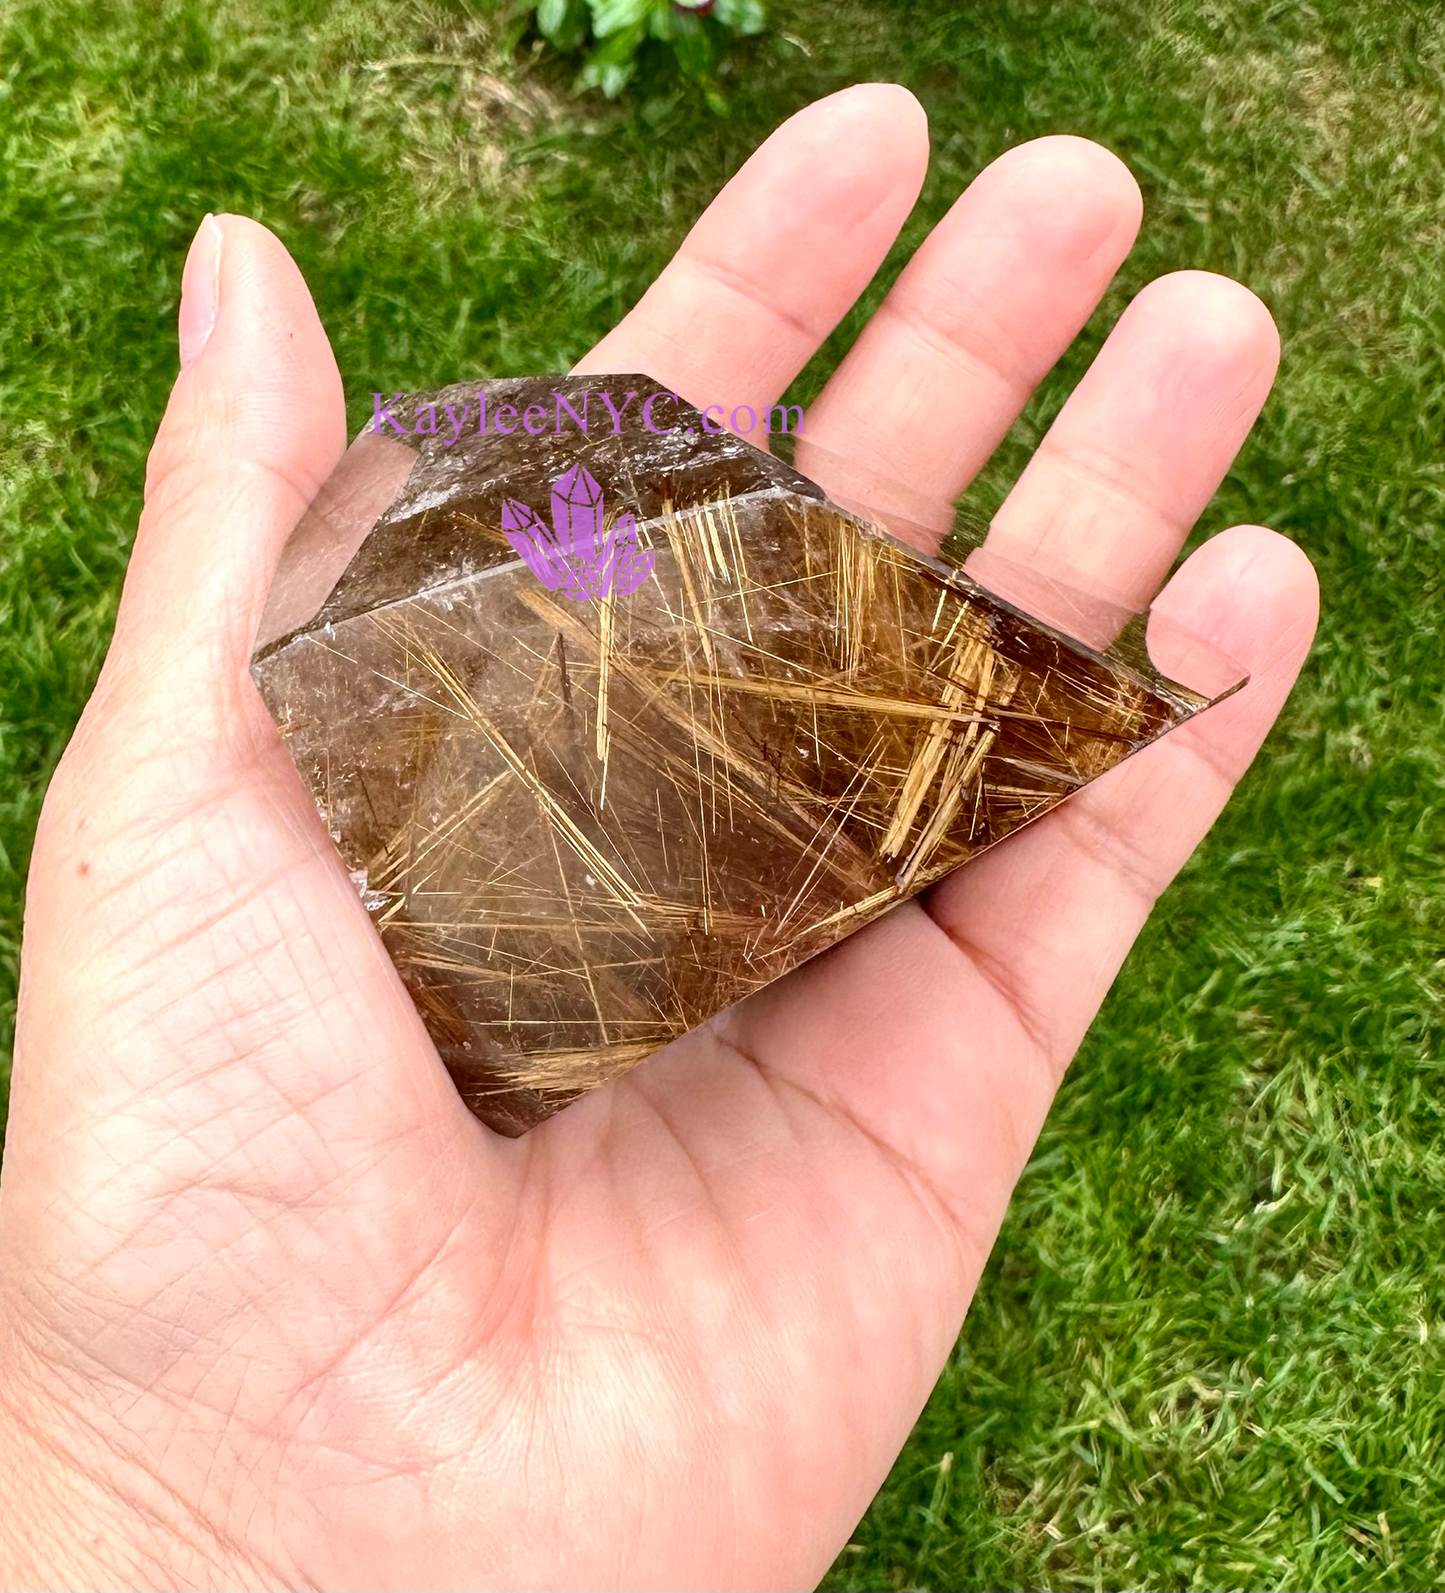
pixel 200 290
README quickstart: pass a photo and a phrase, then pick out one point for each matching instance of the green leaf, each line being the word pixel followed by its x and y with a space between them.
pixel 563 22
pixel 620 48
pixel 610 76
pixel 742 16
pixel 693 46
pixel 611 17
pixel 612 63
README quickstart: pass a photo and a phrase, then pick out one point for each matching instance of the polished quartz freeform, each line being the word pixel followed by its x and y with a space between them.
pixel 588 808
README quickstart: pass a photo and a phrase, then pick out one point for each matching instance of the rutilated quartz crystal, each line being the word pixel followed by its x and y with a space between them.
pixel 600 778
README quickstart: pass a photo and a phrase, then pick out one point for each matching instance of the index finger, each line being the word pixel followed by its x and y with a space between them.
pixel 780 255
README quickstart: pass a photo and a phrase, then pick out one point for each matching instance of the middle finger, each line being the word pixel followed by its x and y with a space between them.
pixel 991 299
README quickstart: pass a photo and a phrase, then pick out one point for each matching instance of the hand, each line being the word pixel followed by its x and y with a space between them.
pixel 275 1309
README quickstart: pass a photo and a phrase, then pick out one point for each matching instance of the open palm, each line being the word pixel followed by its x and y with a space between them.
pixel 276 1310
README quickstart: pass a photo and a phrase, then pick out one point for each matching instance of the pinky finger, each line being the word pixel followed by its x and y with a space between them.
pixel 1060 905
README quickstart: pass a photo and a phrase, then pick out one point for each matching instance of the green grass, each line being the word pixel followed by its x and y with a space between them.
pixel 1210 1349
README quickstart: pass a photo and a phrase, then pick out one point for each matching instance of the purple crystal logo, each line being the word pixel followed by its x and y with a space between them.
pixel 579 556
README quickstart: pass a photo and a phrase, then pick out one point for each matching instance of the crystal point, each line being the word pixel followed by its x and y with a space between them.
pixel 536 545
pixel 604 777
pixel 577 513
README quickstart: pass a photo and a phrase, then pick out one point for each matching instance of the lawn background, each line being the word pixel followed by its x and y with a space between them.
pixel 1210 1349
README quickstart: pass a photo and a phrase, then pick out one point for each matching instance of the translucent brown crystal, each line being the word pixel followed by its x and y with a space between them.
pixel 585 826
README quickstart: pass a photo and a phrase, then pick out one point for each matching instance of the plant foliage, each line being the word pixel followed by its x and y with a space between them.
pixel 616 33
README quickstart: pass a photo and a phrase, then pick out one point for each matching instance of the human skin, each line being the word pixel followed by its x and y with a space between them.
pixel 275 1310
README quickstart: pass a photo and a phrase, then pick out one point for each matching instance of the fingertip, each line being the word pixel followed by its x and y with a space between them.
pixel 258 374
pixel 1278 557
pixel 776 260
pixel 1238 577
pixel 255 424
pixel 200 290
pixel 1093 198
pixel 864 124
pixel 1252 596
pixel 275 307
pixel 888 102
pixel 900 108
pixel 1224 323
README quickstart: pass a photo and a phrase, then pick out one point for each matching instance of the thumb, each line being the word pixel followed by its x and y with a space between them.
pixel 255 424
